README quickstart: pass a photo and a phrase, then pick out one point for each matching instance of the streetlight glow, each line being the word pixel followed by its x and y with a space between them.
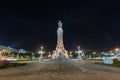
pixel 41 52
pixel 117 49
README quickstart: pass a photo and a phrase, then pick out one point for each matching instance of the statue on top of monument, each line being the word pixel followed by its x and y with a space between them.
pixel 60 24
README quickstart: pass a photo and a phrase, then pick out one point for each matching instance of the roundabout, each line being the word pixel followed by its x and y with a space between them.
pixel 82 70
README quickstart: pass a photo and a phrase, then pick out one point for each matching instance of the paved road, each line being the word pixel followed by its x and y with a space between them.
pixel 82 70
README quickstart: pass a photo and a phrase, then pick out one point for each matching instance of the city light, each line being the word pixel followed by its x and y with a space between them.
pixel 117 49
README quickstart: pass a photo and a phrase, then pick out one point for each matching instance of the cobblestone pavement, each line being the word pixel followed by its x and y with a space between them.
pixel 82 70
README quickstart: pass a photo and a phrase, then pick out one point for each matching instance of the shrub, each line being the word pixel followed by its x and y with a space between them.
pixel 17 64
pixel 116 63
pixel 75 55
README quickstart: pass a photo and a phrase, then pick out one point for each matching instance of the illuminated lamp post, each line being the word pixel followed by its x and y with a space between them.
pixel 116 50
pixel 71 54
pixel 0 54
pixel 79 53
pixel 49 55
pixel 3 52
pixel 41 52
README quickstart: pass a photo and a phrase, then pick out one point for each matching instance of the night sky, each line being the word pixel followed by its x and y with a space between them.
pixel 92 24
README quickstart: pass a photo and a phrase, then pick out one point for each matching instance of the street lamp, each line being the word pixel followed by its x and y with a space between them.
pixel 49 55
pixel 71 54
pixel 0 54
pixel 3 51
pixel 41 52
pixel 79 52
pixel 117 49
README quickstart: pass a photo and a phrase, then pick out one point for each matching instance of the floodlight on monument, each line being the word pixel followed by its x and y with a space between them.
pixel 78 47
pixel 70 52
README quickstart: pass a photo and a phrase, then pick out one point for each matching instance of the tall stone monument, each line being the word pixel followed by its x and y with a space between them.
pixel 60 51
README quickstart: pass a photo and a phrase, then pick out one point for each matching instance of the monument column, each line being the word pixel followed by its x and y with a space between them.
pixel 60 36
pixel 60 51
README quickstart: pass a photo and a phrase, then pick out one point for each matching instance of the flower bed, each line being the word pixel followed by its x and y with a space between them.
pixel 4 63
pixel 7 64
